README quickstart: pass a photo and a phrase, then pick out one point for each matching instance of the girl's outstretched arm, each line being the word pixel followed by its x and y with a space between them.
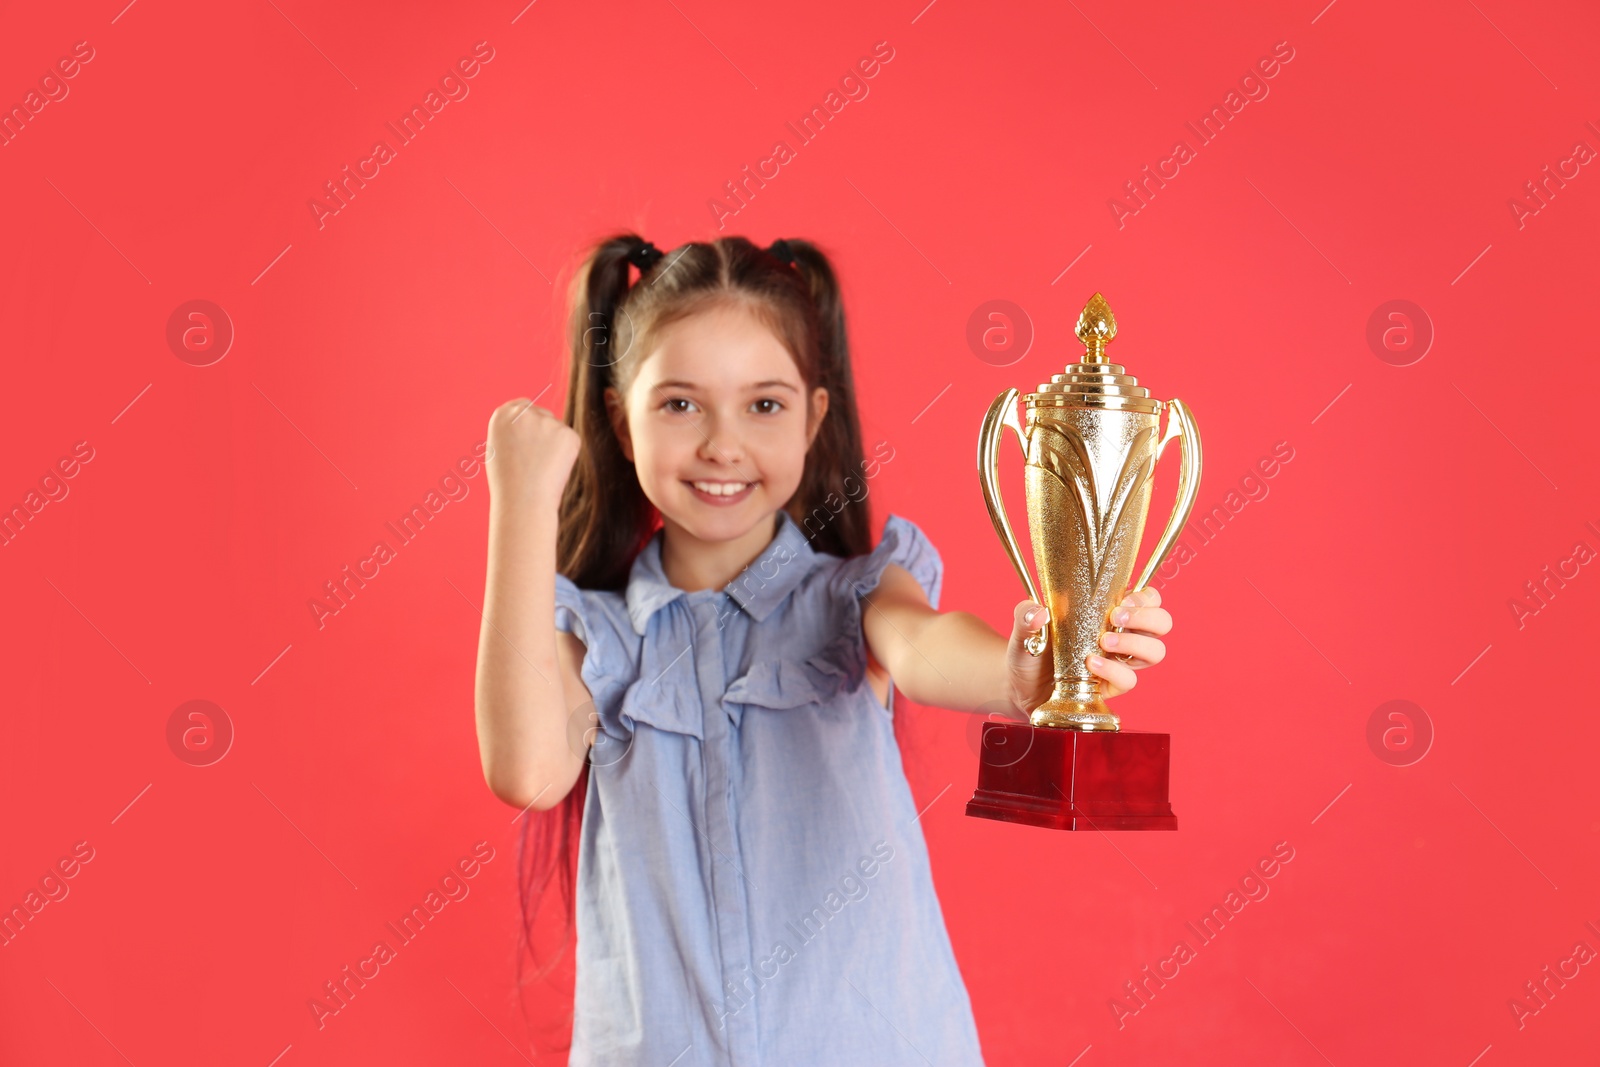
pixel 955 660
pixel 528 672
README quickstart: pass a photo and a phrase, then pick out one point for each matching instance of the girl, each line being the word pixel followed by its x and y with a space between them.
pixel 752 881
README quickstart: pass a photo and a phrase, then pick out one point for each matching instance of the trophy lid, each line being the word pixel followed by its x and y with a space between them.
pixel 1094 381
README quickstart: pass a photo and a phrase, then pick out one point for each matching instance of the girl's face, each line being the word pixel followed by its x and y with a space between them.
pixel 716 423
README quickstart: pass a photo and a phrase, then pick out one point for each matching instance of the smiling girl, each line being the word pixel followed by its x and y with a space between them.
pixel 690 652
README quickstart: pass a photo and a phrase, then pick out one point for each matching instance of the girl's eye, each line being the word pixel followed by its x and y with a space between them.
pixel 777 405
pixel 678 400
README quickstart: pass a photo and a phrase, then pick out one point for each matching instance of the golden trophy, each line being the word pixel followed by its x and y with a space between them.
pixel 1091 441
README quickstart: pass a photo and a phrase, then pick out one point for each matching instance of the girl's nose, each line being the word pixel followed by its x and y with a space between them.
pixel 722 443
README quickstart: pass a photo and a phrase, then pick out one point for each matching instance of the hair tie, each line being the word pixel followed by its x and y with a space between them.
pixel 645 256
pixel 780 248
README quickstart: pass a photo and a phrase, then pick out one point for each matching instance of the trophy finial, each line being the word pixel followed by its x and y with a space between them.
pixel 1096 328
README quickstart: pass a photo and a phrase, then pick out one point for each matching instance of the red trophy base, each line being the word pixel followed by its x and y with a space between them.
pixel 1074 779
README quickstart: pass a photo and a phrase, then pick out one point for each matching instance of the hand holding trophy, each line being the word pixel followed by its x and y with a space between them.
pixel 1091 442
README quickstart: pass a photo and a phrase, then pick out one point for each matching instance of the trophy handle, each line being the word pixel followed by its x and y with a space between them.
pixel 1180 423
pixel 1003 413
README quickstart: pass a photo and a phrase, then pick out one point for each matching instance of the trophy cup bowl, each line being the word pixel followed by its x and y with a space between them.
pixel 1091 442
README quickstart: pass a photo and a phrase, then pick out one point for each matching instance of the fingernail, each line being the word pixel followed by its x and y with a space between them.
pixel 1130 601
pixel 1096 661
pixel 1122 616
pixel 1109 640
pixel 1027 616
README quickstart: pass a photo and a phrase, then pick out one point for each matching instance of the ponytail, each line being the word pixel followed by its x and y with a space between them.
pixel 835 456
pixel 605 518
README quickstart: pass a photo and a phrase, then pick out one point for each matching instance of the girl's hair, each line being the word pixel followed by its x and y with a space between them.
pixel 605 517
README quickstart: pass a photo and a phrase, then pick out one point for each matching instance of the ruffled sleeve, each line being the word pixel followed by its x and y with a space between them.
pixel 821 650
pixel 607 667
pixel 904 543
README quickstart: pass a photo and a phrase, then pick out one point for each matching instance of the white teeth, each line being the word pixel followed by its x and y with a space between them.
pixel 721 488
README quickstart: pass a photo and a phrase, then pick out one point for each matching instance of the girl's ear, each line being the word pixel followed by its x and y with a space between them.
pixel 619 421
pixel 819 411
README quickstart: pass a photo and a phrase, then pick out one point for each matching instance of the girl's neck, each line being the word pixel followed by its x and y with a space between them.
pixel 692 564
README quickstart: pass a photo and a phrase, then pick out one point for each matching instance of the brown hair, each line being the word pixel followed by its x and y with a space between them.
pixel 605 518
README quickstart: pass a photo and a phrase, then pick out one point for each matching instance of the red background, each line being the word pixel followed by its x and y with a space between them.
pixel 369 355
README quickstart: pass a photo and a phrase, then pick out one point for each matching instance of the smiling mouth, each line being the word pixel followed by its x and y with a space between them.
pixel 719 491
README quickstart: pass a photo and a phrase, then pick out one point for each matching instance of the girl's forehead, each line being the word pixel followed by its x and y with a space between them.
pixel 720 349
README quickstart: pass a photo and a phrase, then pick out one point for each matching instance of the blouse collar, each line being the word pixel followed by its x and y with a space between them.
pixel 759 589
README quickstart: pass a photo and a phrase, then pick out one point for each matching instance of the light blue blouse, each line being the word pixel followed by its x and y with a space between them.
pixel 753 884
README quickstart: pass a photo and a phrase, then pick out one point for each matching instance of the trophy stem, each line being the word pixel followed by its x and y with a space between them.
pixel 1075 705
